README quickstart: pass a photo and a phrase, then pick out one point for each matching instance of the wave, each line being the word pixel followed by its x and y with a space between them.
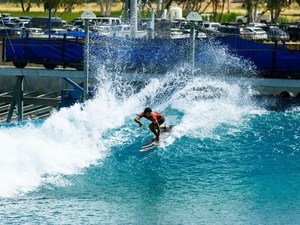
pixel 35 153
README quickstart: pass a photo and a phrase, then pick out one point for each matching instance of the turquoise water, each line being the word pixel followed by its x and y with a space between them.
pixel 229 159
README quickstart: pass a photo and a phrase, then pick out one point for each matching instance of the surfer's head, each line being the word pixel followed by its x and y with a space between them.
pixel 148 110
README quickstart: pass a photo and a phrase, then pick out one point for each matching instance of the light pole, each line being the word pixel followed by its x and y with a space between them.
pixel 193 17
pixel 86 15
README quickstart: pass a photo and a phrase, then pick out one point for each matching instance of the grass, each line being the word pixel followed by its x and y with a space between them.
pixel 68 16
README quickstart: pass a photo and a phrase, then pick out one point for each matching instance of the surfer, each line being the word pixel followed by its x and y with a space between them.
pixel 156 118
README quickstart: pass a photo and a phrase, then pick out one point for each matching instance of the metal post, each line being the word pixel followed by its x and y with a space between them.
pixel 192 47
pixel 17 99
pixel 86 15
pixel 127 10
pixel 50 24
pixel 152 22
pixel 133 17
pixel 193 16
pixel 86 59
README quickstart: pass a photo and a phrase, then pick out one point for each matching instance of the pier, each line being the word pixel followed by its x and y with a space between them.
pixel 44 94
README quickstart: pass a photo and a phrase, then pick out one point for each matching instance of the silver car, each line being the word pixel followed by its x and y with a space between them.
pixel 277 35
pixel 253 33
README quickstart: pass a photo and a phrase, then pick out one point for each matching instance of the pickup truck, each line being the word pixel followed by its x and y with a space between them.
pixel 259 18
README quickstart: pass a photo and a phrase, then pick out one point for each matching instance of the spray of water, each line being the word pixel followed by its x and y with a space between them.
pixel 33 154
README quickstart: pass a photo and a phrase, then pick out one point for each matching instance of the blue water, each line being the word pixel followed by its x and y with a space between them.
pixel 229 159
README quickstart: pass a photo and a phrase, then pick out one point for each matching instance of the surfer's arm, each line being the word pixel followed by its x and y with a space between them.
pixel 136 119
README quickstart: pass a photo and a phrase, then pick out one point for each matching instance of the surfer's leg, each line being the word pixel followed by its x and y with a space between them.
pixel 152 128
pixel 161 121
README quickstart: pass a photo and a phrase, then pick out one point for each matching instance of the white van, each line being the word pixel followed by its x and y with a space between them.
pixel 108 21
pixel 211 25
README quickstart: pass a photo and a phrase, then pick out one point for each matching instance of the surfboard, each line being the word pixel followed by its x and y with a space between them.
pixel 165 132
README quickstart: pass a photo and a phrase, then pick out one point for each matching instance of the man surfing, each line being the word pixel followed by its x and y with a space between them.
pixel 156 118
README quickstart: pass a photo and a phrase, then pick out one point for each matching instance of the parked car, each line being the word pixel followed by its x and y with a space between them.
pixel 176 33
pixel 4 32
pixel 11 19
pixel 56 32
pixel 21 25
pixel 43 23
pixel 201 34
pixel 108 21
pixel 259 18
pixel 10 32
pixel 102 30
pixel 7 23
pixel 294 32
pixel 211 25
pixel 277 35
pixel 284 26
pixel 123 30
pixel 253 33
pixel 34 32
pixel 25 18
pixel 212 33
pixel 185 32
pixel 229 29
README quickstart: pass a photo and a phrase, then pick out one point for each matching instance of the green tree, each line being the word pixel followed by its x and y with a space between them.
pixel 274 6
pixel 278 6
pixel 105 7
pixel 53 4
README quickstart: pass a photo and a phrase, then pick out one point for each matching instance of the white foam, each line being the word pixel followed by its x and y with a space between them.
pixel 77 137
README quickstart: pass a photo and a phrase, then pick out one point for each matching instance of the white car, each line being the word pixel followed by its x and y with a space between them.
pixel 123 30
pixel 253 33
pixel 35 32
pixel 201 34
pixel 102 30
pixel 21 25
pixel 176 33
pixel 211 25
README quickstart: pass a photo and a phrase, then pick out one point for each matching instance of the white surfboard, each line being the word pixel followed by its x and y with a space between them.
pixel 150 144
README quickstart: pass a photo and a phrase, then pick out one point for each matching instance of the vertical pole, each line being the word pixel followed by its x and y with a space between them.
pixel 152 22
pixel 20 97
pixel 17 99
pixel 127 8
pixel 192 47
pixel 193 17
pixel 87 16
pixel 133 17
pixel 50 24
pixel 86 59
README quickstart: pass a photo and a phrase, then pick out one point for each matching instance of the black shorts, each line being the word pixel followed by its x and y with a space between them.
pixel 161 120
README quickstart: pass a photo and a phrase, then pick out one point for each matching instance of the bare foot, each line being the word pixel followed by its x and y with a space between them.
pixel 156 139
pixel 165 128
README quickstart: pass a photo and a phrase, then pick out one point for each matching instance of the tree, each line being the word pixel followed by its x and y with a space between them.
pixel 53 4
pixel 276 7
pixel 68 4
pixel 105 7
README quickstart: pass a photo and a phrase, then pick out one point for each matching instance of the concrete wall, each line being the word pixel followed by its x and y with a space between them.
pixel 39 84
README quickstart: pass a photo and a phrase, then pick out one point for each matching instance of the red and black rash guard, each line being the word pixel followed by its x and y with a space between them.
pixel 154 117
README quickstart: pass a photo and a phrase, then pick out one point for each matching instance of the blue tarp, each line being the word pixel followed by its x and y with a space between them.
pixel 41 51
pixel 150 55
